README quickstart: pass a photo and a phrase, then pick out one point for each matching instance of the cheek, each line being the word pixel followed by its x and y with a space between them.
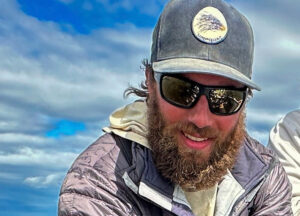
pixel 227 123
pixel 170 113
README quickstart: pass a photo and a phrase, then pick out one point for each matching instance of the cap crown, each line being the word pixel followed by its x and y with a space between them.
pixel 173 36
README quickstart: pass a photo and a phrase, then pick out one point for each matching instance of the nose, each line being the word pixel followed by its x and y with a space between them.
pixel 200 114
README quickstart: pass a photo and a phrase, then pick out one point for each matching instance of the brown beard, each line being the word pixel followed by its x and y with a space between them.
pixel 186 167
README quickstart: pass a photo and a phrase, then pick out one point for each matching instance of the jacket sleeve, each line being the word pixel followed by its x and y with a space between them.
pixel 274 196
pixel 94 185
pixel 285 142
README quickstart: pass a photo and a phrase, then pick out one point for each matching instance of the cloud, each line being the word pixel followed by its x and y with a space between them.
pixel 43 152
pixel 276 62
pixel 48 75
pixel 9 176
pixel 261 136
pixel 22 138
pixel 54 179
pixel 27 156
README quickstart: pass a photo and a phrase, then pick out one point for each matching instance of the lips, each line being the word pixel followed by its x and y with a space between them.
pixel 196 139
pixel 196 142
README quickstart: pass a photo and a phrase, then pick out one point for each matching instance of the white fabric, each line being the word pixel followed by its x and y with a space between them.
pixel 179 196
pixel 285 142
pixel 151 194
pixel 130 183
pixel 230 190
pixel 130 122
pixel 203 202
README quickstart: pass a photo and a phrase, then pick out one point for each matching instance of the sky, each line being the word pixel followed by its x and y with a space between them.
pixel 64 65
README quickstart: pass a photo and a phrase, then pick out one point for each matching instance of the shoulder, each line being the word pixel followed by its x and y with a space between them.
pixel 273 167
pixel 274 195
pixel 104 156
pixel 263 153
pixel 94 183
pixel 253 163
pixel 103 149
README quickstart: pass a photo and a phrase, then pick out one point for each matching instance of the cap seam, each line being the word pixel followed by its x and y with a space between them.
pixel 158 38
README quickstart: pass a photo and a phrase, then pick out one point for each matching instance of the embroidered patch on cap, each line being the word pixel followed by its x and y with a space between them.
pixel 210 26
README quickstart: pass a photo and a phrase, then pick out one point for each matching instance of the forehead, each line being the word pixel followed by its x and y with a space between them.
pixel 212 80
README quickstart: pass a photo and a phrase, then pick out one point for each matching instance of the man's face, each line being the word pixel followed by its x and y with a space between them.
pixel 193 147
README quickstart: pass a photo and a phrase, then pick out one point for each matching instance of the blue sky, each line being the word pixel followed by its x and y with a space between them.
pixel 65 63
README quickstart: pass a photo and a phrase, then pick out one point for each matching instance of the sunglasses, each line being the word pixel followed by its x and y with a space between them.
pixel 185 93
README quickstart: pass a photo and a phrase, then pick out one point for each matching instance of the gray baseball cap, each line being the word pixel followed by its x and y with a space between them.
pixel 203 36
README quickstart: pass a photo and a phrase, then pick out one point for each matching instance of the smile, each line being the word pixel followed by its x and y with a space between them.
pixel 196 139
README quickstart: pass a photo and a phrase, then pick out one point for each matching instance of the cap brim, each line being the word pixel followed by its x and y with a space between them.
pixel 190 65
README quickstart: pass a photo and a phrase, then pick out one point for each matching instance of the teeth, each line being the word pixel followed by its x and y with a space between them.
pixel 197 139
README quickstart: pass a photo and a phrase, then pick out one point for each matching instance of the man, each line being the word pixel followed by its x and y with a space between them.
pixel 184 150
pixel 285 142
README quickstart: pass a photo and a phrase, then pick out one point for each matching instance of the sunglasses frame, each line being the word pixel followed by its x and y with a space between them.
pixel 203 90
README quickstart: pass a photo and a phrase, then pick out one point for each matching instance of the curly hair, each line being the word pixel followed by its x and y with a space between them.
pixel 142 90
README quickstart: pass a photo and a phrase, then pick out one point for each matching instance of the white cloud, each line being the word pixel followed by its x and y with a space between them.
pixel 276 60
pixel 45 181
pixel 291 46
pixel 45 71
pixel 21 138
pixel 264 116
pixel 9 176
pixel 260 122
pixel 27 156
pixel 261 136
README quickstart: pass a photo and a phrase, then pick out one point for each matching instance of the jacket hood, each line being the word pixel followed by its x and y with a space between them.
pixel 130 122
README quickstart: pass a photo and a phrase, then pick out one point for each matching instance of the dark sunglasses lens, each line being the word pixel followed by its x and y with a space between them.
pixel 178 91
pixel 224 101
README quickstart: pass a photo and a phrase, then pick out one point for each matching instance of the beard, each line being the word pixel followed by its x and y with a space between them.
pixel 189 168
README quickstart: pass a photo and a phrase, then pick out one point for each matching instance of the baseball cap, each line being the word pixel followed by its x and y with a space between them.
pixel 203 36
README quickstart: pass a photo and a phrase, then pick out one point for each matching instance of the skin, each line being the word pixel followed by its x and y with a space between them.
pixel 199 115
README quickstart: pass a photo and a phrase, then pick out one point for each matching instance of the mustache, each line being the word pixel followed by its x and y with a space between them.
pixel 191 128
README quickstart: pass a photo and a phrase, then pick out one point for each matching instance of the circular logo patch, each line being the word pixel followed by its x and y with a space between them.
pixel 209 25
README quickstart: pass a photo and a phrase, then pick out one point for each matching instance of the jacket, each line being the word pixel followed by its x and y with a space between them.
pixel 117 176
pixel 285 142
